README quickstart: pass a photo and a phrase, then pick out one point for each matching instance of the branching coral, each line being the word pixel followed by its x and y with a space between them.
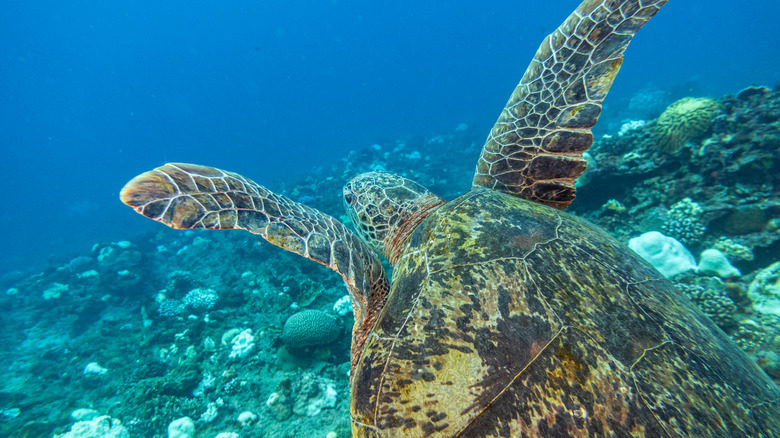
pixel 683 121
pixel 757 333
pixel 733 250
pixel 684 221
pixel 759 336
pixel 712 299
pixel 200 299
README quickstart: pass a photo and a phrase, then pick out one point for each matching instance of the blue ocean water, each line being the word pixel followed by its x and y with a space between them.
pixel 93 93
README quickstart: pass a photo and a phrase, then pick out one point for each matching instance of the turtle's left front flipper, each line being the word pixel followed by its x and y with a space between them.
pixel 186 196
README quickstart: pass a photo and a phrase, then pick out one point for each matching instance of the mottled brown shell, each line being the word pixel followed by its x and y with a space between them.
pixel 508 318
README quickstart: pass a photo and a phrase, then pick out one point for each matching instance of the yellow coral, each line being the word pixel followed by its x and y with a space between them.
pixel 682 121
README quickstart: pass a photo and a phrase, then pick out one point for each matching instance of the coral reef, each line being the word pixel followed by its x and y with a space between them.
pixel 733 250
pixel 759 336
pixel 684 221
pixel 100 427
pixel 310 327
pixel 712 261
pixel 279 401
pixel 665 253
pixel 200 300
pixel 343 306
pixel 710 294
pixel 242 344
pixel 682 121
pixel 764 290
pixel 731 174
pixel 181 428
pixel 170 308
pixel 313 394
pixel 308 291
pixel 168 345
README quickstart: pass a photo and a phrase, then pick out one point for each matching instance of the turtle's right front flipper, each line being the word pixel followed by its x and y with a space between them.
pixel 186 196
pixel 534 150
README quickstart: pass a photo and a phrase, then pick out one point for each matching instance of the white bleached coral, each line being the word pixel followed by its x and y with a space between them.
pixel 182 427
pixel 314 394
pixel 55 290
pixel 764 290
pixel 94 368
pixel 243 344
pixel 712 261
pixel 100 427
pixel 665 253
pixel 343 306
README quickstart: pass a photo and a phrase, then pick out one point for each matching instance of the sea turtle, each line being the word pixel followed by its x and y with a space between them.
pixel 506 315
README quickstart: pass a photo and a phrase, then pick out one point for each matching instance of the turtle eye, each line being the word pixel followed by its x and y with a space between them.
pixel 349 198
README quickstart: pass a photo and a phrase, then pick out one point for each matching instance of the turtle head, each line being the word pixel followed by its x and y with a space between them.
pixel 386 208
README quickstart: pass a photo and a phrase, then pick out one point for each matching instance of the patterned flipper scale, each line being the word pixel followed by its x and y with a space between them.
pixel 187 196
pixel 534 150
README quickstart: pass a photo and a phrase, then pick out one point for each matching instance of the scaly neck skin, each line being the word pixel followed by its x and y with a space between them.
pixel 399 236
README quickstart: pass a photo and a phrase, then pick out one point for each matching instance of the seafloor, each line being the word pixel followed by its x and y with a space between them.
pixel 139 333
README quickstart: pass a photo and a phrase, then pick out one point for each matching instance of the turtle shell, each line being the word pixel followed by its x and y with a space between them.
pixel 509 318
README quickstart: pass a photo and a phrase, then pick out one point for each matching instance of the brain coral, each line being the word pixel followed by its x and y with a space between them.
pixel 310 327
pixel 682 121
